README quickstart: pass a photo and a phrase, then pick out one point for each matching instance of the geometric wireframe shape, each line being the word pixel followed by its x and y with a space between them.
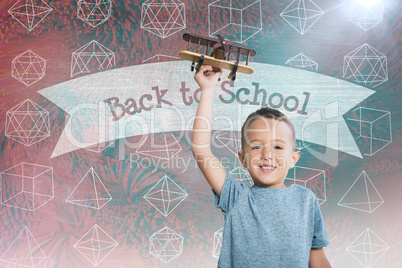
pixel 27 123
pixel 366 65
pixel 367 248
pixel 310 178
pixel 362 195
pixel 95 245
pixel 90 192
pixel 94 12
pixel 27 186
pixel 163 17
pixel 237 20
pixel 29 12
pixel 232 141
pixel 242 175
pixel 160 58
pixel 166 244
pixel 100 147
pixel 302 14
pixel 24 251
pixel 302 61
pixel 28 67
pixel 165 195
pixel 366 15
pixel 371 127
pixel 91 57
pixel 218 239
pixel 159 147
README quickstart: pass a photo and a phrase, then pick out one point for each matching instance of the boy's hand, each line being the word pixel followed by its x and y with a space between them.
pixel 207 77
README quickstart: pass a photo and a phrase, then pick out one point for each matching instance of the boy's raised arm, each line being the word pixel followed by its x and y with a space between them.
pixel 210 166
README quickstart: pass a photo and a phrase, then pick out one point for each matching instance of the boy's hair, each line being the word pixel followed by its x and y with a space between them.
pixel 266 112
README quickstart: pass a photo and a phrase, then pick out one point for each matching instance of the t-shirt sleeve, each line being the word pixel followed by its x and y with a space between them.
pixel 229 195
pixel 320 238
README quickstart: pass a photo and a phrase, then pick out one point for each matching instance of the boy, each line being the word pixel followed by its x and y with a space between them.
pixel 266 225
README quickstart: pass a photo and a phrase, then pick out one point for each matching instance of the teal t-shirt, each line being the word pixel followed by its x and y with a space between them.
pixel 269 227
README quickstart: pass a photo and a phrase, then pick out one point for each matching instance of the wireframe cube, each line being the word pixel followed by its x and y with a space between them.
pixel 27 123
pixel 237 20
pixel 371 127
pixel 313 179
pixel 27 186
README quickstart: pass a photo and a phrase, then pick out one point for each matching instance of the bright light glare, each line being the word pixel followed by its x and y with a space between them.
pixel 369 3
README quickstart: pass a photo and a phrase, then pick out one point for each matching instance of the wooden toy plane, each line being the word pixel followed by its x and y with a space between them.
pixel 218 53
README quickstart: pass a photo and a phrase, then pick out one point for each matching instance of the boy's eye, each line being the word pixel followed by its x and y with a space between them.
pixel 256 147
pixel 278 147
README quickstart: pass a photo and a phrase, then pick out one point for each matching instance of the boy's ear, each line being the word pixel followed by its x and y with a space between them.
pixel 295 157
pixel 242 157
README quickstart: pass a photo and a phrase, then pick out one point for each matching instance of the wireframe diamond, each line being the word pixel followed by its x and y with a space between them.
pixel 27 123
pixel 366 65
pixel 95 245
pixel 24 251
pixel 166 244
pixel 301 15
pixel 94 12
pixel 218 239
pixel 29 12
pixel 90 192
pixel 165 195
pixel 362 195
pixel 27 186
pixel 367 248
pixel 230 140
pixel 91 57
pixel 163 17
pixel 366 16
pixel 164 147
pixel 302 61
pixel 28 67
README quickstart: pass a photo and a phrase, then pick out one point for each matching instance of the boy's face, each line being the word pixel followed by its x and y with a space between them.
pixel 269 152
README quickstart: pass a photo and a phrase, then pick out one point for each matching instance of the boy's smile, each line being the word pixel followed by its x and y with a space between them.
pixel 269 152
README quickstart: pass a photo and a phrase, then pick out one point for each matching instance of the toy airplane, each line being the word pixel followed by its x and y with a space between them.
pixel 218 53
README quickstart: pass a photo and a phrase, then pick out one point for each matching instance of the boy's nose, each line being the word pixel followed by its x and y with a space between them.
pixel 267 154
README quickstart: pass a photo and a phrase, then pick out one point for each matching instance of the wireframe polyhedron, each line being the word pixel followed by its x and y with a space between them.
pixel 27 123
pixel 218 240
pixel 163 17
pixel 163 146
pixel 367 248
pixel 301 15
pixel 237 20
pixel 371 127
pixel 90 192
pixel 94 12
pixel 27 186
pixel 366 65
pixel 366 16
pixel 362 195
pixel 24 251
pixel 95 245
pixel 29 12
pixel 165 195
pixel 28 67
pixel 310 178
pixel 302 61
pixel 91 57
pixel 166 244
